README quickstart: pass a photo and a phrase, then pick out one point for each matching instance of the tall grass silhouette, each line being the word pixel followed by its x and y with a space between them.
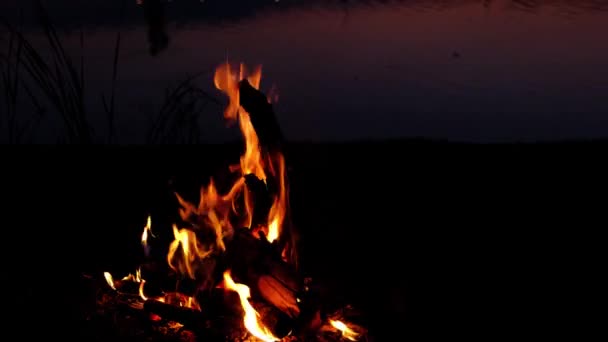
pixel 57 80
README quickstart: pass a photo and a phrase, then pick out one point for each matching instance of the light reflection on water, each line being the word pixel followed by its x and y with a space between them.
pixel 464 70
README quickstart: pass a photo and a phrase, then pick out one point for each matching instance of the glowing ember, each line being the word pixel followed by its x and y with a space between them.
pixel 251 318
pixel 347 332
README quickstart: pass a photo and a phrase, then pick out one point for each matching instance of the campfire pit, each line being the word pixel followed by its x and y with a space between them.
pixel 234 255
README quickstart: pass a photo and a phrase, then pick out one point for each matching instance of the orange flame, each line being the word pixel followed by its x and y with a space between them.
pixel 347 332
pixel 133 277
pixel 250 319
pixel 136 278
pixel 109 279
pixel 144 236
pixel 279 207
pixel 192 250
pixel 141 290
pixel 252 161
pixel 216 209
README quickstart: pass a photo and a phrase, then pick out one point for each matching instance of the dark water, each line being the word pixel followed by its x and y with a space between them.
pixel 347 70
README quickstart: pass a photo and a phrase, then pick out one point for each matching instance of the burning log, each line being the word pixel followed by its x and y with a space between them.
pixel 191 318
pixel 256 263
pixel 279 295
pixel 267 299
pixel 119 316
pixel 220 315
pixel 262 117
pixel 279 324
pixel 270 137
pixel 262 199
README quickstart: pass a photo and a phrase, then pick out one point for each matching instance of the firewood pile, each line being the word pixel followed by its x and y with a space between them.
pixel 233 261
pixel 117 316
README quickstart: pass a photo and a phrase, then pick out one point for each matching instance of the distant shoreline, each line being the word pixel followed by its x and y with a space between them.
pixel 106 13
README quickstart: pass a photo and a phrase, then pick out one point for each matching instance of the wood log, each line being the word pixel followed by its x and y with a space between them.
pixel 257 264
pixel 213 304
pixel 191 318
pixel 226 311
pixel 311 307
pixel 277 294
pixel 279 324
pixel 212 323
pixel 271 140
pixel 262 117
pixel 262 199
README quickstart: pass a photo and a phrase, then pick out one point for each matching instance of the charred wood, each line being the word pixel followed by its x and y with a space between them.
pixel 262 117
pixel 279 324
pixel 256 263
pixel 116 316
pixel 271 140
pixel 274 292
pixel 311 308
pixel 191 318
pixel 262 199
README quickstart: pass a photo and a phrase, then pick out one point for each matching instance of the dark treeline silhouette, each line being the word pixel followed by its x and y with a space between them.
pixel 73 14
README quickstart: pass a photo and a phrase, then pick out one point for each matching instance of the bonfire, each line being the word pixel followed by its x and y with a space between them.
pixel 234 253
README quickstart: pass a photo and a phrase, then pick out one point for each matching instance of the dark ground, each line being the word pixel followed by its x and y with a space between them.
pixel 431 239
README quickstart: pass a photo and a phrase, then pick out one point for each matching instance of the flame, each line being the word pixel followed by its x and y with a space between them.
pixel 227 80
pixel 192 250
pixel 141 290
pixel 252 161
pixel 141 281
pixel 279 207
pixel 144 236
pixel 216 209
pixel 109 279
pixel 216 212
pixel 250 319
pixel 136 278
pixel 133 277
pixel 347 332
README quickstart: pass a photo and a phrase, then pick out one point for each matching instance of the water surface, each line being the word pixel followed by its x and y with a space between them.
pixel 349 70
